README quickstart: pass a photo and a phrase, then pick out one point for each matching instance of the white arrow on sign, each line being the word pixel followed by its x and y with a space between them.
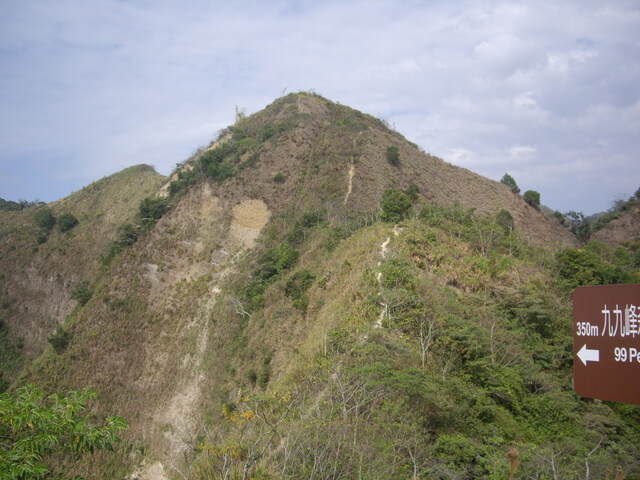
pixel 586 355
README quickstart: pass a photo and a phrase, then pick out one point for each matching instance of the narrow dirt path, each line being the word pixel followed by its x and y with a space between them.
pixel 384 251
pixel 350 185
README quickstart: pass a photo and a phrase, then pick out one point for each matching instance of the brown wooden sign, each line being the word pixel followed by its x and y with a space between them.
pixel 606 342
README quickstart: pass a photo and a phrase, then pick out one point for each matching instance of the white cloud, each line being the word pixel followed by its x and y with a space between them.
pixel 101 85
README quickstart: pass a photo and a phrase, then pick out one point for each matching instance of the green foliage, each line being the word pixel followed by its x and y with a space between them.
pixel 272 263
pixel 59 340
pixel 399 273
pixel 412 191
pixel 559 216
pixel 505 220
pixel 313 219
pixel 287 256
pixel 44 219
pixel 151 210
pixel 252 376
pixel 532 198
pixel 266 132
pixel 297 286
pixel 578 224
pixel 82 293
pixel 279 178
pixel 510 182
pixel 34 426
pixel 596 264
pixel 395 205
pixel 66 222
pixel 393 155
pixel 11 206
pixel 455 449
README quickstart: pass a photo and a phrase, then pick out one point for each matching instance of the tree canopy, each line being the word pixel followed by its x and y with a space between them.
pixel 34 426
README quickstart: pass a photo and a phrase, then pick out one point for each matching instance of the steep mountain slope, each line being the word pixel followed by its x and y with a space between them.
pixel 333 157
pixel 269 325
pixel 623 229
pixel 41 269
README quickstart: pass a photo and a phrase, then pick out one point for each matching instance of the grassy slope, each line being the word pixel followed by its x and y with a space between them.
pixel 165 344
pixel 37 279
pixel 496 376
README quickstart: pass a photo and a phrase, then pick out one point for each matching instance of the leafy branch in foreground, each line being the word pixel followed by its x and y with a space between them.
pixel 34 426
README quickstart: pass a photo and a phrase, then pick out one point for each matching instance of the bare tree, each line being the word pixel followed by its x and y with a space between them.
pixel 426 330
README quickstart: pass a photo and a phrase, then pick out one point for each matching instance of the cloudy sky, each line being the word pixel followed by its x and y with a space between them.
pixel 547 91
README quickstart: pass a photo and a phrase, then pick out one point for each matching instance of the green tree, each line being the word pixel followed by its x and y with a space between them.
pixel 505 220
pixel 59 340
pixel 579 225
pixel 34 426
pixel 393 155
pixel 510 182
pixel 45 219
pixel 395 205
pixel 151 210
pixel 82 293
pixel 66 222
pixel 532 198
pixel 287 257
pixel 413 190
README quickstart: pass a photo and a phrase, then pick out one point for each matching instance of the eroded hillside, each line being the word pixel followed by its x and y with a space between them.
pixel 41 266
pixel 264 322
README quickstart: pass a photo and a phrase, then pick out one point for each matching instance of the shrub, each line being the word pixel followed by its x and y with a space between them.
pixel 37 429
pixel 266 132
pixel 559 216
pixel 393 155
pixel 509 181
pixel 505 220
pixel 395 205
pixel 66 222
pixel 279 178
pixel 287 257
pixel 59 340
pixel 312 219
pixel 579 225
pixel 252 376
pixel 413 192
pixel 82 293
pixel 151 210
pixel 217 163
pixel 591 266
pixel 532 198
pixel 45 219
pixel 297 286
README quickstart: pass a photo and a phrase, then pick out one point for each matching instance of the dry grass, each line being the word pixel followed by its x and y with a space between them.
pixel 162 340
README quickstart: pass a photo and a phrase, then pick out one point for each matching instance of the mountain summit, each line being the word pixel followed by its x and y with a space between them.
pixel 310 296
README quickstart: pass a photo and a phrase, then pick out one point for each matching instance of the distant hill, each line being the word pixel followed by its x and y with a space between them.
pixel 40 269
pixel 626 228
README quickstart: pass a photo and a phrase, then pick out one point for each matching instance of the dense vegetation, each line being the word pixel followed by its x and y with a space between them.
pixel 11 206
pixel 36 429
pixel 473 361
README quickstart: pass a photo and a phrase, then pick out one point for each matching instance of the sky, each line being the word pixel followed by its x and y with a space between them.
pixel 546 91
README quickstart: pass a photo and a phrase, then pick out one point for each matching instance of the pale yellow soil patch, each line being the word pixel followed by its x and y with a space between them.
pixel 350 185
pixel 153 471
pixel 248 219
